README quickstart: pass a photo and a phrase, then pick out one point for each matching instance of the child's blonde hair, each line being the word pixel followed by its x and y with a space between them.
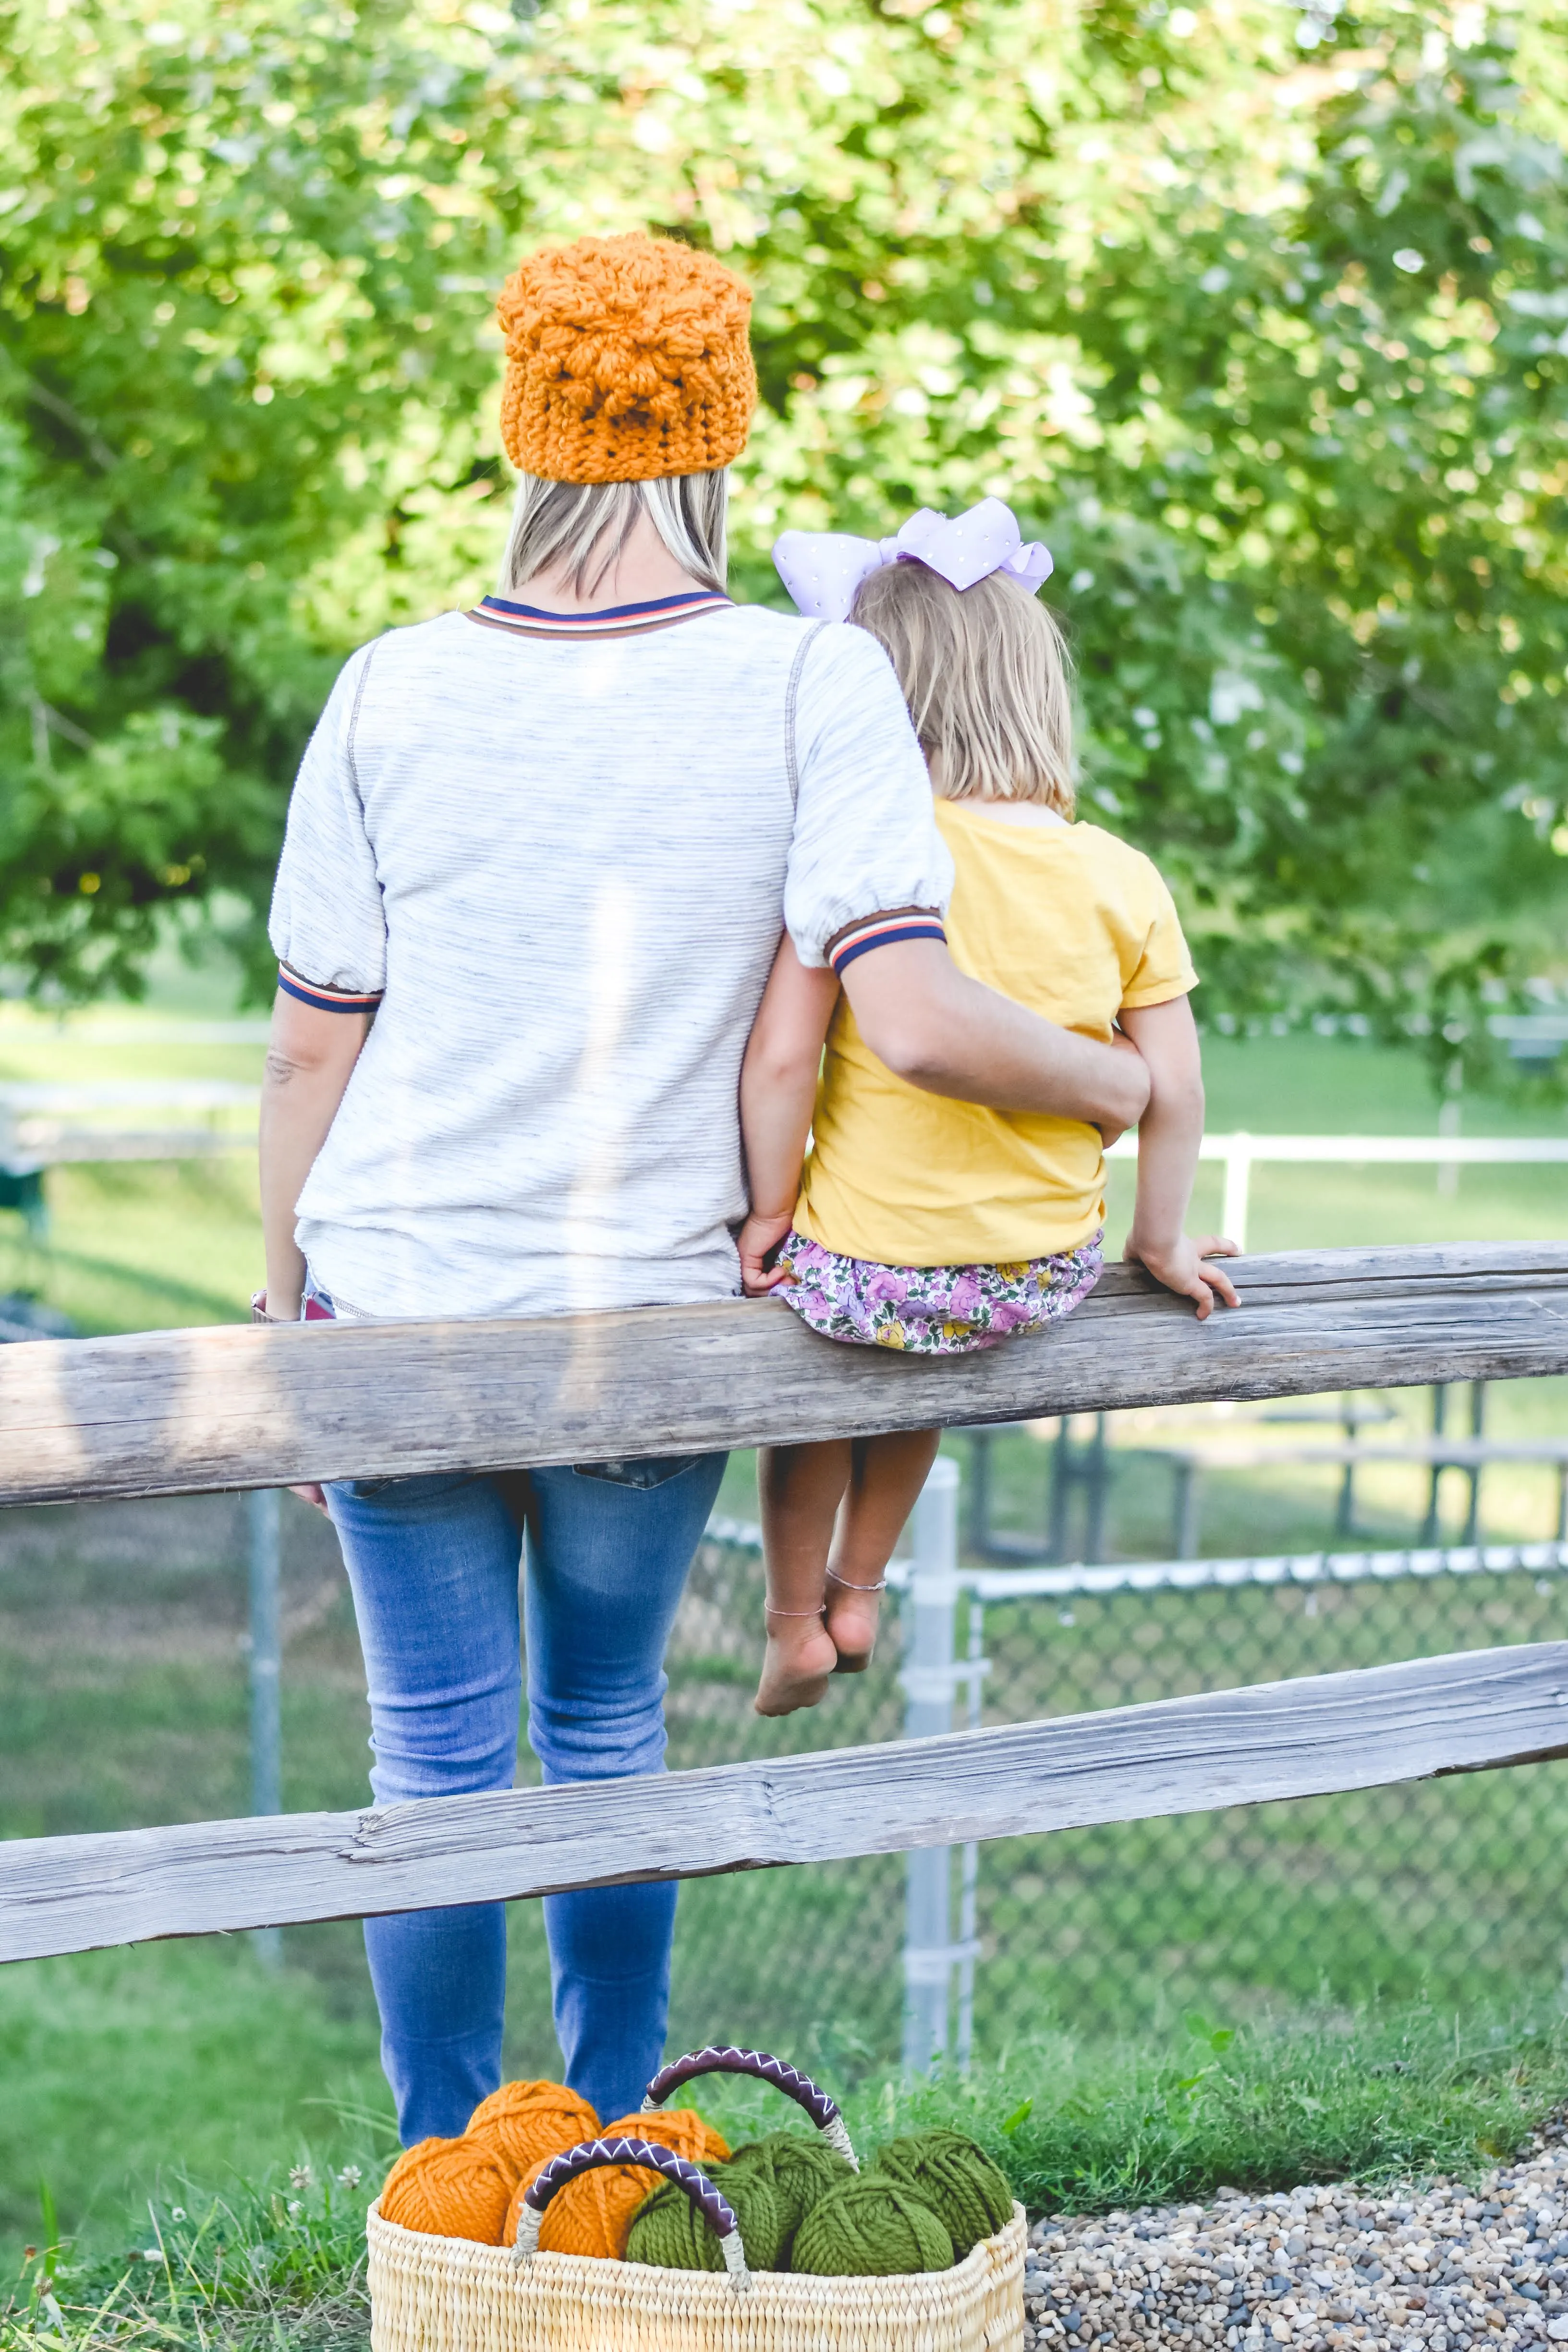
pixel 984 671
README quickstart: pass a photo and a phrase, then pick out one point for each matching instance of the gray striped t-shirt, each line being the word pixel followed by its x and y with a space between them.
pixel 562 865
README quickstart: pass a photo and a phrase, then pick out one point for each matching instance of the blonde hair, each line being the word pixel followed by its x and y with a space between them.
pixel 584 526
pixel 985 673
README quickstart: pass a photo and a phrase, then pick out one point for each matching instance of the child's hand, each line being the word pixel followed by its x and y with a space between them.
pixel 756 1237
pixel 1180 1265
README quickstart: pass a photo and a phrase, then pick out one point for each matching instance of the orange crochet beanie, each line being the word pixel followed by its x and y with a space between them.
pixel 451 2189
pixel 523 2123
pixel 592 2213
pixel 627 359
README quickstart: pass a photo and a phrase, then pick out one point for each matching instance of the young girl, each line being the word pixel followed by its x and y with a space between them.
pixel 918 1221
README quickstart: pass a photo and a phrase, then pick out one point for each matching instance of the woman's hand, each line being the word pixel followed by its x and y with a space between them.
pixel 756 1237
pixel 260 1312
pixel 1111 1131
pixel 1182 1265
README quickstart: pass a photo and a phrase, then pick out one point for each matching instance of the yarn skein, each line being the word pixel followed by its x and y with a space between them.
pixel 525 2122
pixel 670 2232
pixel 592 2213
pixel 872 2228
pixel 450 2189
pixel 799 2170
pixel 955 2179
pixel 629 358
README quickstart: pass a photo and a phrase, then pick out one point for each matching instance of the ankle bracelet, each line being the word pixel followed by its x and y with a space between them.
pixel 769 1611
pixel 833 1578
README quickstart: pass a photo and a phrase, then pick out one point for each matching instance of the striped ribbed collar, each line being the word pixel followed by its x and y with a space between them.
pixel 614 621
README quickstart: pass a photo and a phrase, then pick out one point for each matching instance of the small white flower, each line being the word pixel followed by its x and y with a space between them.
pixel 301 2178
pixel 295 2206
pixel 349 2176
pixel 152 2254
pixel 178 2214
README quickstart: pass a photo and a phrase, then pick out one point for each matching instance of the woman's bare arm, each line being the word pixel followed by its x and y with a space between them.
pixel 1169 1135
pixel 778 1093
pixel 310 1061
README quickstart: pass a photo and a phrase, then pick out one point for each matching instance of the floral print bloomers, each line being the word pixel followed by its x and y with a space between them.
pixel 931 1310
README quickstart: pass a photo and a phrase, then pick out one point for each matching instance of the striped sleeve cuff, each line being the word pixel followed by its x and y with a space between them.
pixel 883 932
pixel 327 1000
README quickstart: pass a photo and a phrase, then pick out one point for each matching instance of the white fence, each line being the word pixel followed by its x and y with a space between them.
pixel 1241 1154
pixel 42 1123
pixel 46 1125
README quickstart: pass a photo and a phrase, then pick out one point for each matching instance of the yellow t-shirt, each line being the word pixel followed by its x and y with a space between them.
pixel 1064 918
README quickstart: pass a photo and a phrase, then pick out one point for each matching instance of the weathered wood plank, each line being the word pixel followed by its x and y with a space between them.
pixel 1356 1731
pixel 184 1412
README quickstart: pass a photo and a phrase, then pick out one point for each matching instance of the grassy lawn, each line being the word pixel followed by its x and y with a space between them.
pixel 263 2254
pixel 122 1702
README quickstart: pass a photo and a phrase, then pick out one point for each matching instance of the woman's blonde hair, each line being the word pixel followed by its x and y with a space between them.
pixel 584 526
pixel 986 674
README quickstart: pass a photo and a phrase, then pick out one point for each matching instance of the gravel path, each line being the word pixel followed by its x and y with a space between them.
pixel 1338 2267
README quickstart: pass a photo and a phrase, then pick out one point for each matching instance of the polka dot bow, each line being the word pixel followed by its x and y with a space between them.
pixel 822 569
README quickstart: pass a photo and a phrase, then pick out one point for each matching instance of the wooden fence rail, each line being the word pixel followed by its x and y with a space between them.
pixel 1306 1737
pixel 184 1411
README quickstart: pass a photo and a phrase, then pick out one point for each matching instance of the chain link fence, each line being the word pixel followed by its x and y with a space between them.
pixel 1454 1887
pixel 123 1700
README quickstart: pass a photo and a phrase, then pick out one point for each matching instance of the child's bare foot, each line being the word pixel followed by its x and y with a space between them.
pixel 800 1657
pixel 852 1613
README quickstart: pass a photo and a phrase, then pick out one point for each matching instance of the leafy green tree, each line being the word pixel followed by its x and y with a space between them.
pixel 1270 344
pixel 225 406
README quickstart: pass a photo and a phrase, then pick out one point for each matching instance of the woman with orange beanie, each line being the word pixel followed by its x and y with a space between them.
pixel 550 845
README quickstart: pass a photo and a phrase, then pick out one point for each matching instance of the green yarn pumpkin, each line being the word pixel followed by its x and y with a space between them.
pixel 955 2179
pixel 872 2228
pixel 673 2235
pixel 799 2170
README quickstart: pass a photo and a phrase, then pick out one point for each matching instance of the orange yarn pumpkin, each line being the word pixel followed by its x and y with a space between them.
pixel 450 2189
pixel 628 358
pixel 526 2122
pixel 592 2213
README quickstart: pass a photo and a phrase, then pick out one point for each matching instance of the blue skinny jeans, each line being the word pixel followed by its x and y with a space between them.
pixel 434 1566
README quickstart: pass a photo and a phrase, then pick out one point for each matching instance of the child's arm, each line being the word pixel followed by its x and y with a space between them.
pixel 778 1094
pixel 1168 1138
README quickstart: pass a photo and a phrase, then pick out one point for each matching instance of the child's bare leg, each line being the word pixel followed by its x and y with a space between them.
pixel 886 1476
pixel 799 1487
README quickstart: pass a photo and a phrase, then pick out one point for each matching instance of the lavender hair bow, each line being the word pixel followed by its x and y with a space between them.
pixel 822 569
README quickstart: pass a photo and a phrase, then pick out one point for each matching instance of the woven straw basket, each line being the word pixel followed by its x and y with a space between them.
pixel 451 2294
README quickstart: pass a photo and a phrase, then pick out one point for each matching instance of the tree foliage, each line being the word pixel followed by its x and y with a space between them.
pixel 1272 345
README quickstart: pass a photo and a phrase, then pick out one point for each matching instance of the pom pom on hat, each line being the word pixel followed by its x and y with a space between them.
pixel 871 2228
pixel 629 358
pixel 671 2233
pixel 592 2213
pixel 525 2122
pixel 955 2179
pixel 450 2189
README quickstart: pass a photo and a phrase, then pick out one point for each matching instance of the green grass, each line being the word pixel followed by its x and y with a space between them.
pixel 275 2253
pixel 118 2066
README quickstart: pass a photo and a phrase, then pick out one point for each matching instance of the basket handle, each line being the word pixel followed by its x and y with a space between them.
pixel 822 2111
pixel 591 2153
